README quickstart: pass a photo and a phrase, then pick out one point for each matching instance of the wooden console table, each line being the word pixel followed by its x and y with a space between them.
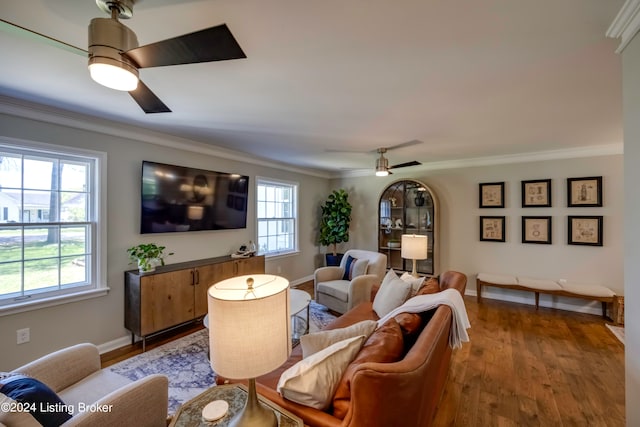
pixel 176 294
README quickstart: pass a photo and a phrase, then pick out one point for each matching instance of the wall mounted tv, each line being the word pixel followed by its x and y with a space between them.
pixel 178 198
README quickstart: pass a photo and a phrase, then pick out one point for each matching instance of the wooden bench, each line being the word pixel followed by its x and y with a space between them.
pixel 546 286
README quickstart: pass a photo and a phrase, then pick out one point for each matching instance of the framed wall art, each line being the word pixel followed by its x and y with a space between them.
pixel 536 193
pixel 585 230
pixel 491 195
pixel 492 229
pixel 584 192
pixel 536 229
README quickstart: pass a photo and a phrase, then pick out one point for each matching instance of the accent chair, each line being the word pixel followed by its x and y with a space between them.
pixel 342 288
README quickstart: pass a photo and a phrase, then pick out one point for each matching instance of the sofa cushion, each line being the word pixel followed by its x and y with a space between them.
pixel 316 341
pixel 313 381
pixel 416 282
pixel 93 387
pixel 431 286
pixel 410 323
pixel 30 403
pixel 393 293
pixel 385 345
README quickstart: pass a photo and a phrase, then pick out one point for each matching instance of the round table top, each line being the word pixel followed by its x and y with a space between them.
pixel 299 300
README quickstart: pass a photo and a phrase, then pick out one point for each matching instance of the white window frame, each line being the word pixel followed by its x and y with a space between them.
pixel 97 281
pixel 294 186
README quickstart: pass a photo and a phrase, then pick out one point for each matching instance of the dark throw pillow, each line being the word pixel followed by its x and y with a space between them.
pixel 348 268
pixel 26 394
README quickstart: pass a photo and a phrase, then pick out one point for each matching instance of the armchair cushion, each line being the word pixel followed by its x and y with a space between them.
pixel 34 403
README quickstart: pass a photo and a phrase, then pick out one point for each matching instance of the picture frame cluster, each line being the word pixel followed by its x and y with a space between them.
pixel 581 229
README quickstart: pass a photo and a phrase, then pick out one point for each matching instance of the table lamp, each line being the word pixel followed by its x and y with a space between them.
pixel 249 335
pixel 414 247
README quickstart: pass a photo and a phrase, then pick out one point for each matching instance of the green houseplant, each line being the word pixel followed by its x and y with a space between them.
pixel 334 223
pixel 147 255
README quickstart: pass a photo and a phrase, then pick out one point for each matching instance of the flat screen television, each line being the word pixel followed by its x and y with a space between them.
pixel 178 199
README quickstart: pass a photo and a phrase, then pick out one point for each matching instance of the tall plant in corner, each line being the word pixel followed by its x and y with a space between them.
pixel 335 221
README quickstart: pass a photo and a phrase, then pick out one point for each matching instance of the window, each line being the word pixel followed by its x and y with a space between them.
pixel 277 217
pixel 49 225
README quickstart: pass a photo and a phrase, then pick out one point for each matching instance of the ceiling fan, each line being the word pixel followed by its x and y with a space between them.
pixel 115 57
pixel 382 163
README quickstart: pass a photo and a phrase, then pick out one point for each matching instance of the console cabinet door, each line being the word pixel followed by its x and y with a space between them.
pixel 167 300
pixel 205 277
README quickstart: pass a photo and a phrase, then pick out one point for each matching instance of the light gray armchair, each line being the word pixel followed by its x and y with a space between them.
pixel 340 295
pixel 74 374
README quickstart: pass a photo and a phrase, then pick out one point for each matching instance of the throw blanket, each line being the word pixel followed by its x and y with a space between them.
pixel 449 297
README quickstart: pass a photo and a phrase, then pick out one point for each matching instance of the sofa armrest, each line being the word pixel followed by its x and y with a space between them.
pixel 65 367
pixel 360 289
pixel 143 403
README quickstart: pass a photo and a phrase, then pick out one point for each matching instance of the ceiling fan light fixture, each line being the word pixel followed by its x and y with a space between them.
pixel 108 38
pixel 382 165
pixel 113 76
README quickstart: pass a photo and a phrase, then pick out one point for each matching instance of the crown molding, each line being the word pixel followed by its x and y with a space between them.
pixel 47 114
pixel 626 24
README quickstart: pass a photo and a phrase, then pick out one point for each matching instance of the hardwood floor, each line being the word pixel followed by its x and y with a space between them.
pixel 534 368
pixel 522 367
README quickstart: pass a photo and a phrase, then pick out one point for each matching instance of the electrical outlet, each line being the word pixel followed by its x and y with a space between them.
pixel 23 335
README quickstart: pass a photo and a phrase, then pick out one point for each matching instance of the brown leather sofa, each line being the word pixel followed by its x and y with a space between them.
pixel 404 393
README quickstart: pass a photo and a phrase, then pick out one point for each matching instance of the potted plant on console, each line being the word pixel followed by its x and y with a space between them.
pixel 334 224
pixel 148 256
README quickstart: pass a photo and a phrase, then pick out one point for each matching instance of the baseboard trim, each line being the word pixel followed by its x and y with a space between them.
pixel 300 281
pixel 114 344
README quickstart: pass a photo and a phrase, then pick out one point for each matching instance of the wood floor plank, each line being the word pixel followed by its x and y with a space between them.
pixel 527 367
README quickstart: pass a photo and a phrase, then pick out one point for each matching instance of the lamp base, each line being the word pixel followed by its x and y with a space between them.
pixel 254 413
pixel 414 272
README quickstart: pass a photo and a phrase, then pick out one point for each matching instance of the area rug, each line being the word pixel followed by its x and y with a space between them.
pixel 618 331
pixel 186 364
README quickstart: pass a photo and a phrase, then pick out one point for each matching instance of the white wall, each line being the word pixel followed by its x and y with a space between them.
pixel 460 248
pixel 101 320
pixel 631 100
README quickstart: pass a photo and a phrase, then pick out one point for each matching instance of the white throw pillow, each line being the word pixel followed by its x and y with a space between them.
pixel 316 341
pixel 313 381
pixel 393 293
pixel 416 282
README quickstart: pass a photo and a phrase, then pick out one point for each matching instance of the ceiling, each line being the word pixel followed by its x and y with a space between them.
pixel 471 79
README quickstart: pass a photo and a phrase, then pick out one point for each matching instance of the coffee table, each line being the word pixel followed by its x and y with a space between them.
pixel 190 413
pixel 299 301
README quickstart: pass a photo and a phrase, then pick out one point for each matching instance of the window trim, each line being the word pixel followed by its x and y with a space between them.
pixel 296 218
pixel 99 286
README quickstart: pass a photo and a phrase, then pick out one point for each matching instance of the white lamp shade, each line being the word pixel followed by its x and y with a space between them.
pixel 414 246
pixel 249 331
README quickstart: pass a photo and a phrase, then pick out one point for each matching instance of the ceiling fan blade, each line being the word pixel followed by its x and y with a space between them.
pixel 147 100
pixel 405 144
pixel 211 44
pixel 404 165
pixel 12 28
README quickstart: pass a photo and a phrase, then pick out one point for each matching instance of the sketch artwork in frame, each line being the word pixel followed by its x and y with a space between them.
pixel 491 195
pixel 492 229
pixel 536 229
pixel 584 192
pixel 536 193
pixel 585 230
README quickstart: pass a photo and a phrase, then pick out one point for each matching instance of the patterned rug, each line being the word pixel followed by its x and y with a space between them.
pixel 185 362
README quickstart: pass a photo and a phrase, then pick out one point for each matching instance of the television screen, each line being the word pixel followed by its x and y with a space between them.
pixel 178 198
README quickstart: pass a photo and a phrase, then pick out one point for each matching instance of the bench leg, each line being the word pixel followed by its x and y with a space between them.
pixel 604 310
pixel 537 300
pixel 479 291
